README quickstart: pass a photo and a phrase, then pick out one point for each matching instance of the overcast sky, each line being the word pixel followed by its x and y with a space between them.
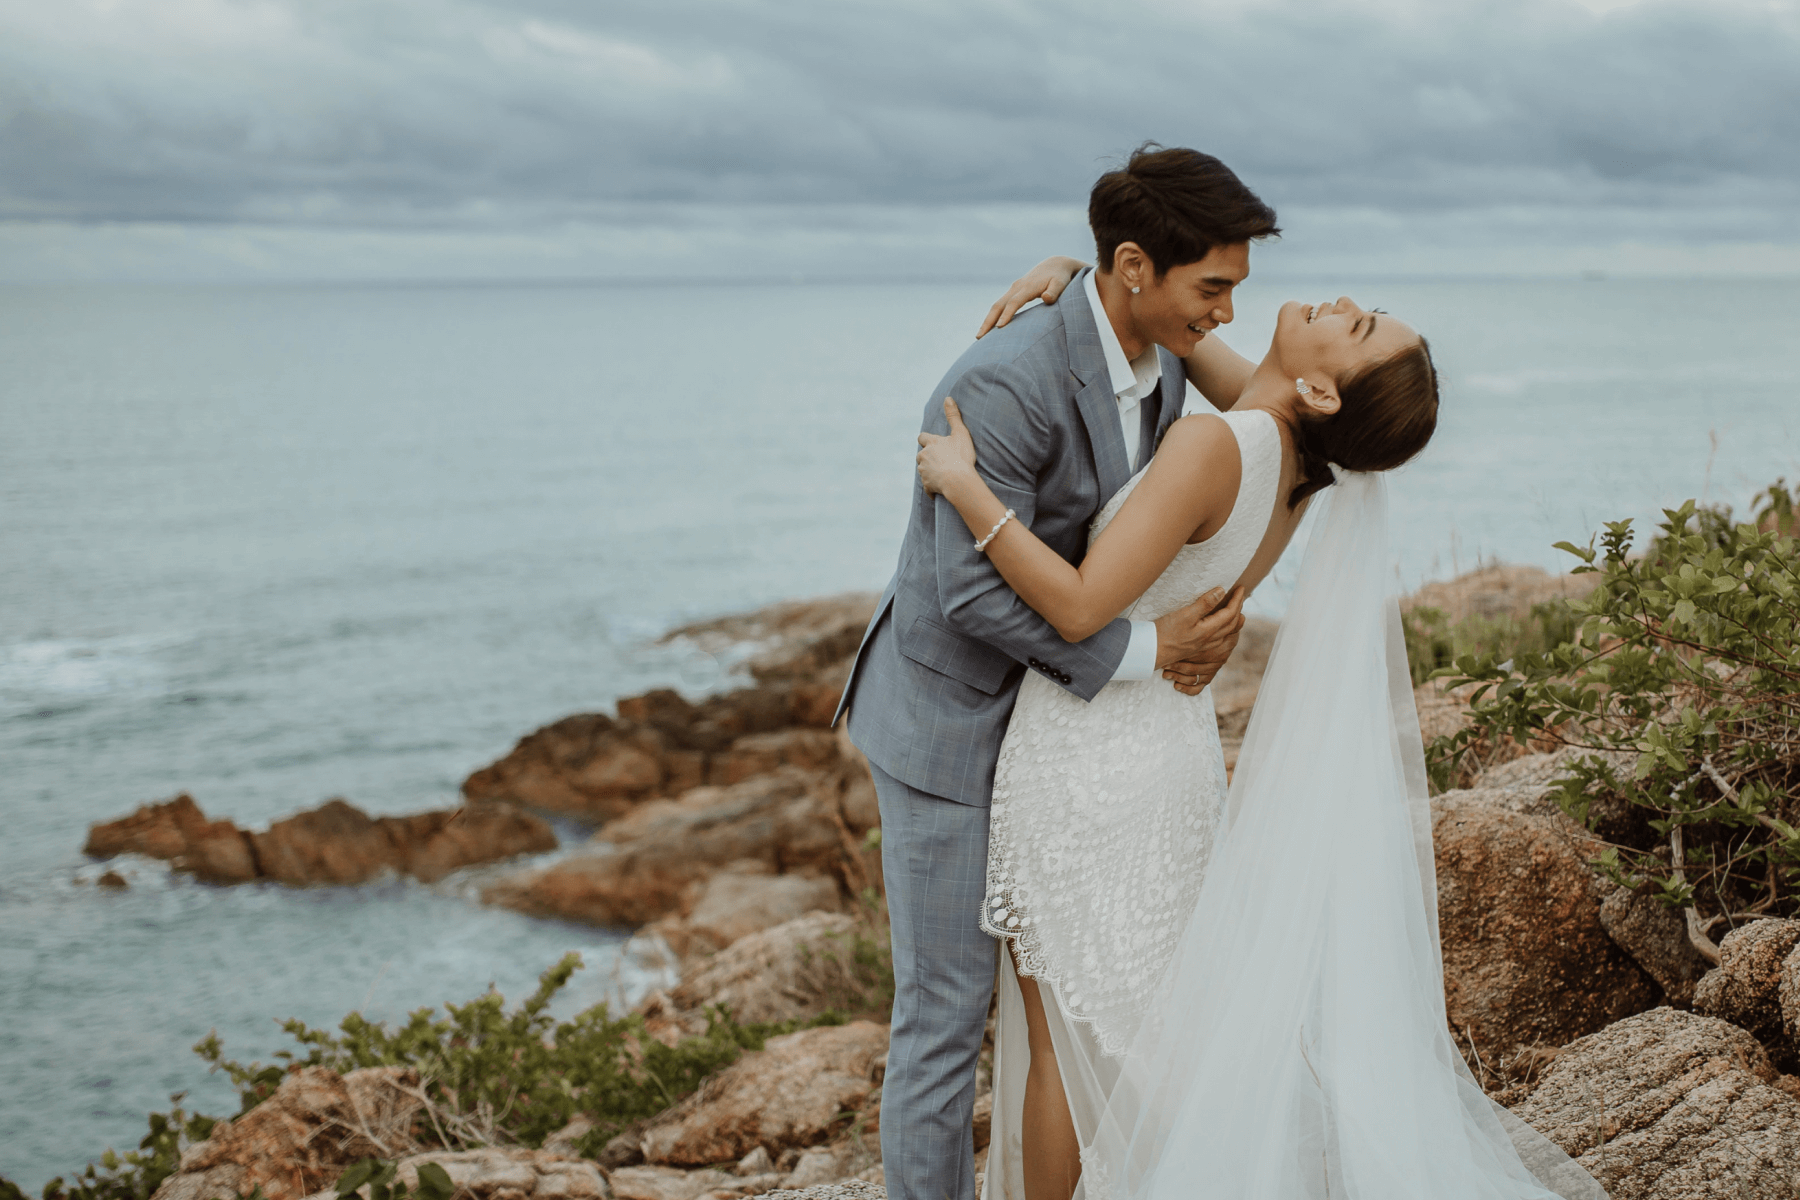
pixel 728 137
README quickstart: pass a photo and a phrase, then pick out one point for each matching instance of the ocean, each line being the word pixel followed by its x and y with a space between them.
pixel 270 545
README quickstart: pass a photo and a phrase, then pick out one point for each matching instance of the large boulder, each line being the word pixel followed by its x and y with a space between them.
pixel 793 1092
pixel 501 1173
pixel 1667 1105
pixel 1501 590
pixel 794 971
pixel 736 903
pixel 668 1183
pixel 1745 988
pixel 788 640
pixel 660 744
pixel 303 1137
pixel 1656 936
pixel 1787 994
pixel 336 843
pixel 785 821
pixel 178 832
pixel 1527 962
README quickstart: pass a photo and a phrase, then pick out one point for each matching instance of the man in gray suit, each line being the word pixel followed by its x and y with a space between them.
pixel 1064 403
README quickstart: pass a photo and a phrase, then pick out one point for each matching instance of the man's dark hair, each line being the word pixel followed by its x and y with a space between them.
pixel 1176 205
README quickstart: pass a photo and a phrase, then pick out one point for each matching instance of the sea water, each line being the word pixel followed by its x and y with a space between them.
pixel 269 545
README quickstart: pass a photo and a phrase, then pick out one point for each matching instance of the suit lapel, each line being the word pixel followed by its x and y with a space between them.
pixel 1099 406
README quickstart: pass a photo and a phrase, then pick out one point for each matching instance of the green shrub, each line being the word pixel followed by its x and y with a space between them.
pixel 1433 643
pixel 379 1178
pixel 497 1076
pixel 1683 680
pixel 489 1075
pixel 133 1175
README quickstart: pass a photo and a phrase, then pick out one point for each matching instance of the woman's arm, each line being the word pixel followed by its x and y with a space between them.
pixel 1190 487
pixel 1220 372
pixel 1045 282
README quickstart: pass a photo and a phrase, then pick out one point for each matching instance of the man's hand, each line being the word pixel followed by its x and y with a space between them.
pixel 1192 643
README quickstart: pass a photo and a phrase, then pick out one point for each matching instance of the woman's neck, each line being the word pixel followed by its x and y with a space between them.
pixel 1272 392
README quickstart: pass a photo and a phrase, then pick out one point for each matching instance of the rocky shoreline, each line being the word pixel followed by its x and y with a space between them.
pixel 739 835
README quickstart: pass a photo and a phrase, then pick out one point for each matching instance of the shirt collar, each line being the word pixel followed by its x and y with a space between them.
pixel 1132 379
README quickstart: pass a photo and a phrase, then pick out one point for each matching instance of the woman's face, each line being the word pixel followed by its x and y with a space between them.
pixel 1326 343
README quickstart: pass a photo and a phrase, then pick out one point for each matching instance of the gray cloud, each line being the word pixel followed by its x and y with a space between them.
pixel 469 111
pixel 1546 118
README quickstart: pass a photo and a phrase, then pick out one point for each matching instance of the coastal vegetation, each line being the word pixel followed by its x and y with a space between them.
pixel 1675 687
pixel 1617 757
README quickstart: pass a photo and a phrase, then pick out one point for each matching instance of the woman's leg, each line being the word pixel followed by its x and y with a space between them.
pixel 1048 1144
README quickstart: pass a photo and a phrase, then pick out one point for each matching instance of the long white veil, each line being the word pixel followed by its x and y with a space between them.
pixel 1298 1047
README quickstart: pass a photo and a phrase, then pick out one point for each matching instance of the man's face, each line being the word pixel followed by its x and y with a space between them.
pixel 1190 301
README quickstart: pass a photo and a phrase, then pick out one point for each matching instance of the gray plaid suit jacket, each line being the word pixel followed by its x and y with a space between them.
pixel 940 665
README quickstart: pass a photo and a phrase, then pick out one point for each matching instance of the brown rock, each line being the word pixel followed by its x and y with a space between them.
pixel 587 765
pixel 1655 935
pixel 666 1183
pixel 1501 590
pixel 338 843
pixel 1745 988
pixel 735 904
pixel 793 1092
pixel 783 820
pixel 1668 1105
pixel 984 1119
pixel 760 753
pixel 797 639
pixel 794 971
pixel 112 879
pixel 1526 960
pixel 504 1173
pixel 335 843
pixel 302 1138
pixel 1787 994
pixel 222 853
pixel 816 699
pixel 164 831
pixel 431 845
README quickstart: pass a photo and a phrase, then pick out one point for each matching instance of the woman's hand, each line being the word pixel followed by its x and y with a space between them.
pixel 1045 282
pixel 946 460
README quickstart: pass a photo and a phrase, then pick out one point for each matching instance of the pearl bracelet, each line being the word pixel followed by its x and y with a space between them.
pixel 983 543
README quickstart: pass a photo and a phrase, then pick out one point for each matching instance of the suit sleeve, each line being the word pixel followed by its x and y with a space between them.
pixel 1013 444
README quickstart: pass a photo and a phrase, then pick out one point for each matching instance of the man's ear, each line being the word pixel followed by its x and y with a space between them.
pixel 1131 264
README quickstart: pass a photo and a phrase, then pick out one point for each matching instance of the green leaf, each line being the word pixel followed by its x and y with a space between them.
pixel 435 1182
pixel 356 1176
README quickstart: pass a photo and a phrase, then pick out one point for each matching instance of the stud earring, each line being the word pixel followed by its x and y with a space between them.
pixel 1305 392
pixel 1134 291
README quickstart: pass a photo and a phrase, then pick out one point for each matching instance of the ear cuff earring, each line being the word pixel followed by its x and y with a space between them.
pixel 1305 392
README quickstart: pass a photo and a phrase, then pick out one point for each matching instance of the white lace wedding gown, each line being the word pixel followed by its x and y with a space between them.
pixel 1283 1028
pixel 1103 818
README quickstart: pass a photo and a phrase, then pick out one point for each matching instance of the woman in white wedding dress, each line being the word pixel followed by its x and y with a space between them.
pixel 1117 1069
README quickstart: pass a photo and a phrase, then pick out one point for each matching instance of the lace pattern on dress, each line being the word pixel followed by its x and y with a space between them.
pixel 1104 812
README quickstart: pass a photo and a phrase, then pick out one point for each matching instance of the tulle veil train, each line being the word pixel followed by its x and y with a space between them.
pixel 1297 1047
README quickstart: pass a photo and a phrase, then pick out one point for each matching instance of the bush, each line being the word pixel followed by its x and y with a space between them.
pixel 1683 684
pixel 490 1076
pixel 133 1175
pixel 496 1077
pixel 1433 644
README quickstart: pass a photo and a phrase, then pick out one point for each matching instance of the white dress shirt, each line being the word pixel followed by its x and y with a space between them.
pixel 1132 380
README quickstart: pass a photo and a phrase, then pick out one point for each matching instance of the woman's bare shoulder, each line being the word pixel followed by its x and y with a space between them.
pixel 1201 442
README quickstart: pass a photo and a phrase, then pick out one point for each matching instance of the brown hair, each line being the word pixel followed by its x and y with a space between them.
pixel 1176 205
pixel 1388 413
